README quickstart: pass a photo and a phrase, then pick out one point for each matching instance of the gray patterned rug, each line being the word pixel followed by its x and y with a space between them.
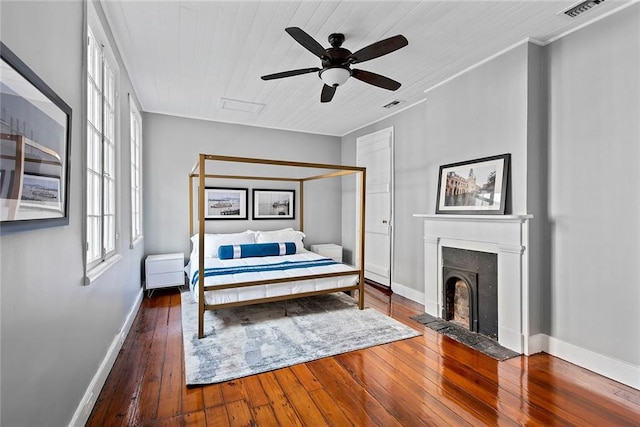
pixel 249 340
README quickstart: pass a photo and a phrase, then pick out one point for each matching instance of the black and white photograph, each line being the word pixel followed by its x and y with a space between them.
pixel 474 187
pixel 273 204
pixel 226 203
pixel 40 192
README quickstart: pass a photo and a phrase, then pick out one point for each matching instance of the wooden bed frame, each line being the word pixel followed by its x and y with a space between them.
pixel 330 171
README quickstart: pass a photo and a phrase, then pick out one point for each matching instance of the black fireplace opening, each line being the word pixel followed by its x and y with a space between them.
pixel 470 291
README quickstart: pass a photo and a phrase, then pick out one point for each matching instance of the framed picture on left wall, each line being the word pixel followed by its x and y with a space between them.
pixel 225 203
pixel 35 144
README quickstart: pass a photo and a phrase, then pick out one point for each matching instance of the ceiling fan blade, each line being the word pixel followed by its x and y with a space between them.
pixel 378 49
pixel 327 93
pixel 375 79
pixel 289 73
pixel 307 41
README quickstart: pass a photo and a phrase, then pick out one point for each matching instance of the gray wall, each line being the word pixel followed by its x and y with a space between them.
pixel 537 189
pixel 172 148
pixel 594 202
pixel 55 332
pixel 481 113
pixel 569 114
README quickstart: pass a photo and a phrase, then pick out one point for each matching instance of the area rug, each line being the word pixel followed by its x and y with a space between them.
pixel 248 340
pixel 469 338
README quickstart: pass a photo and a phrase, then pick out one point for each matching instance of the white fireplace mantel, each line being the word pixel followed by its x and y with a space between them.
pixel 505 235
pixel 479 218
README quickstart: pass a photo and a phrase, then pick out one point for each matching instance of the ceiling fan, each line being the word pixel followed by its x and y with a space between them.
pixel 337 61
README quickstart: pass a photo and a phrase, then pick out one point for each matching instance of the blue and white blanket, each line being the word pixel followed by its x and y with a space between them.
pixel 285 265
pixel 266 269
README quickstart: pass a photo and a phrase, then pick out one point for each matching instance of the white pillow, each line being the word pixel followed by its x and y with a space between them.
pixel 284 235
pixel 213 241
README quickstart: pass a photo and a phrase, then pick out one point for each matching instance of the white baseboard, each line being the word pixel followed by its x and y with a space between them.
pixel 85 407
pixel 513 340
pixel 408 292
pixel 617 370
pixel 538 344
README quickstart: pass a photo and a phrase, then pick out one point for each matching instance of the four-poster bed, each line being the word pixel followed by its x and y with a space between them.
pixel 217 283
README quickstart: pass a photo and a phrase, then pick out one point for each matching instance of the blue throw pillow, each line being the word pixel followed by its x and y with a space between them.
pixel 256 250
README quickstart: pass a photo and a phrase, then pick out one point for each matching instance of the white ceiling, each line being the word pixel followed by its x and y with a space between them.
pixel 184 56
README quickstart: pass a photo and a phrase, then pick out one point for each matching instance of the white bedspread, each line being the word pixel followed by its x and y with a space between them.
pixel 224 296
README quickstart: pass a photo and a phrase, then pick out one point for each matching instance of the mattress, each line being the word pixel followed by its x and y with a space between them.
pixel 222 272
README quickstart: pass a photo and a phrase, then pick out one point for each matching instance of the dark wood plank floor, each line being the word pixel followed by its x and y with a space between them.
pixel 427 380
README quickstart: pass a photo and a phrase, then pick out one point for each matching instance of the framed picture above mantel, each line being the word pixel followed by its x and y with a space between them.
pixel 474 187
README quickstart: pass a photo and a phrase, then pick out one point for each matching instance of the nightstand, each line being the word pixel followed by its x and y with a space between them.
pixel 328 250
pixel 164 271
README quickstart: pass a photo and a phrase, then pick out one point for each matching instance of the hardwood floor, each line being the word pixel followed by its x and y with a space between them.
pixel 427 380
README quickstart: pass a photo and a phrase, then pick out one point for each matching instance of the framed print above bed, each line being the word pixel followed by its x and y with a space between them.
pixel 226 203
pixel 474 187
pixel 273 204
pixel 35 139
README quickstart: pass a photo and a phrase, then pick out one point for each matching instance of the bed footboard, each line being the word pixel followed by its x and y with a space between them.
pixel 203 306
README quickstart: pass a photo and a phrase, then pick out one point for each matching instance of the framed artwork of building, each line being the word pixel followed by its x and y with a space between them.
pixel 474 187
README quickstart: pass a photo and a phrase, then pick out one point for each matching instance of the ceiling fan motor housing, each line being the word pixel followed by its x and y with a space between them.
pixel 335 65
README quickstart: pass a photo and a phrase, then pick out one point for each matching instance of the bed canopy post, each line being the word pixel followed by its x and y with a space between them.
pixel 201 206
pixel 301 205
pixel 190 205
pixel 363 182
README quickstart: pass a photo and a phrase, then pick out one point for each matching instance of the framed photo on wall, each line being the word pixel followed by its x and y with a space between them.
pixel 226 203
pixel 35 142
pixel 41 191
pixel 474 187
pixel 273 204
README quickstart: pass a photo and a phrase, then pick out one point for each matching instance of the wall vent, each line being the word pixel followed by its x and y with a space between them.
pixel 393 103
pixel 580 8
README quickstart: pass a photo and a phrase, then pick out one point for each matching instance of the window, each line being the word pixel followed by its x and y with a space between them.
pixel 136 172
pixel 101 149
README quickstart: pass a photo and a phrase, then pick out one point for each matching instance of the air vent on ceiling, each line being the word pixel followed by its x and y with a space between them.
pixel 237 105
pixel 393 104
pixel 581 8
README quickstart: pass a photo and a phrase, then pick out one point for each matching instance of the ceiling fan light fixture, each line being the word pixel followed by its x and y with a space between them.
pixel 335 76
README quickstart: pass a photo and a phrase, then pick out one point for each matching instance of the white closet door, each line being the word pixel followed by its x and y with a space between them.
pixel 375 152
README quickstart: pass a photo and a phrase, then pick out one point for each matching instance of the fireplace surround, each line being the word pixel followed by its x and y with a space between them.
pixel 503 235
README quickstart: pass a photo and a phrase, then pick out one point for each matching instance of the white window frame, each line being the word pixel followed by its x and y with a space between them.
pixel 135 127
pixel 102 158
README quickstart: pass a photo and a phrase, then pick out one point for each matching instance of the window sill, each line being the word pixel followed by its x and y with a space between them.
pixel 97 271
